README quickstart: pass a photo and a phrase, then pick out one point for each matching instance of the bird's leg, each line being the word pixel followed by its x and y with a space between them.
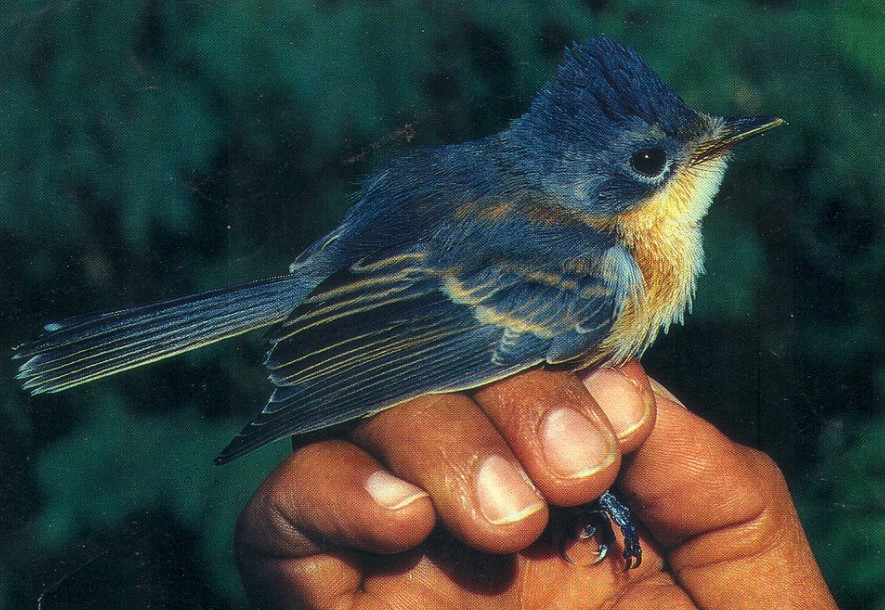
pixel 596 518
pixel 620 515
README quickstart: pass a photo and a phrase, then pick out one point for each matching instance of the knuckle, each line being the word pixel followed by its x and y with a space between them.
pixel 764 498
pixel 769 478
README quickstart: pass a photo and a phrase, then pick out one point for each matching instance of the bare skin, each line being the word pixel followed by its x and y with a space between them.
pixel 351 524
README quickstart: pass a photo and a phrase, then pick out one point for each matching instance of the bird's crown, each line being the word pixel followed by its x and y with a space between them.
pixel 602 86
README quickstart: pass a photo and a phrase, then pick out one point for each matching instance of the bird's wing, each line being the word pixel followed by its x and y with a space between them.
pixel 393 327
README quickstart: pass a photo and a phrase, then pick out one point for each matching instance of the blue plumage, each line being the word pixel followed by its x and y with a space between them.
pixel 459 264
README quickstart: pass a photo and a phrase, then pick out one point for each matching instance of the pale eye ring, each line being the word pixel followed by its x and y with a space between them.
pixel 649 162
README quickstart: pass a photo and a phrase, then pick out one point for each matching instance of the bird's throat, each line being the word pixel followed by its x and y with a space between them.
pixel 664 237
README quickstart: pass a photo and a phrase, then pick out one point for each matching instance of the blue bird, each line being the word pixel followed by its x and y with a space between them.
pixel 572 237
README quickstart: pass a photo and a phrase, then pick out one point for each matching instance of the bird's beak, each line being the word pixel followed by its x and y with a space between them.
pixel 734 131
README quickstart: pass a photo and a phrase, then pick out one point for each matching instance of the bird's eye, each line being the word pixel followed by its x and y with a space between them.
pixel 649 162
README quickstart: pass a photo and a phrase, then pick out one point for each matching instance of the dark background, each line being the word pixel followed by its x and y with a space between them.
pixel 152 149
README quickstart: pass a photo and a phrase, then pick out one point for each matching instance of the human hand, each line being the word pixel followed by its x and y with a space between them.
pixel 350 524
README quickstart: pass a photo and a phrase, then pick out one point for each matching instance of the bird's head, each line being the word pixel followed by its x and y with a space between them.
pixel 608 136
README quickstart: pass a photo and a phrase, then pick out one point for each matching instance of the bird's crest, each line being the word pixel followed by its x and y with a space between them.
pixel 601 85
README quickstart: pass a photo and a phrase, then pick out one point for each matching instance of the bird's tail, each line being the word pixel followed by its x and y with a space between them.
pixel 85 348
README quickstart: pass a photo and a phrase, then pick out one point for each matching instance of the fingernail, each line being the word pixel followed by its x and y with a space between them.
pixel 390 492
pixel 619 398
pixel 503 492
pixel 573 446
pixel 663 392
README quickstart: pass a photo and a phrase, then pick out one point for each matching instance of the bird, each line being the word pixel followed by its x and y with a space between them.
pixel 572 237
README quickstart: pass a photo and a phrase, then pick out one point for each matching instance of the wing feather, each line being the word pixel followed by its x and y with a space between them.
pixel 388 329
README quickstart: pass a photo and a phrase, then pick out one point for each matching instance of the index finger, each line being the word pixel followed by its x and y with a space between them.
pixel 725 512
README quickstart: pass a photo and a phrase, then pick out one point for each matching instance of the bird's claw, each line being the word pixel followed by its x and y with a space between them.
pixel 601 554
pixel 588 531
pixel 602 513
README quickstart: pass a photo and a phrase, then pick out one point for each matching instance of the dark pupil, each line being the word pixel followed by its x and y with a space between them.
pixel 649 162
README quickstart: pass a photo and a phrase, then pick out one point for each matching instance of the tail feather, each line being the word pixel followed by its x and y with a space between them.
pixel 85 348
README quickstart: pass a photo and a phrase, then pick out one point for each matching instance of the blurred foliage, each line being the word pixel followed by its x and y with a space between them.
pixel 117 463
pixel 149 149
pixel 844 506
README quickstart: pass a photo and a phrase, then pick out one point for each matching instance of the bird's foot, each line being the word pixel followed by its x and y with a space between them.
pixel 596 519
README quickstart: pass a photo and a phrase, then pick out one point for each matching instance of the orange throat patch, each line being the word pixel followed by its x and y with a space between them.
pixel 664 236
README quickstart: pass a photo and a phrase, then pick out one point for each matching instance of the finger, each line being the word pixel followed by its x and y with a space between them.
pixel 325 495
pixel 625 396
pixel 560 433
pixel 727 514
pixel 334 492
pixel 446 445
pixel 658 591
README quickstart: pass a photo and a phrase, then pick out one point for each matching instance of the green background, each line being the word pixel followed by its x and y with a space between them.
pixel 151 149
